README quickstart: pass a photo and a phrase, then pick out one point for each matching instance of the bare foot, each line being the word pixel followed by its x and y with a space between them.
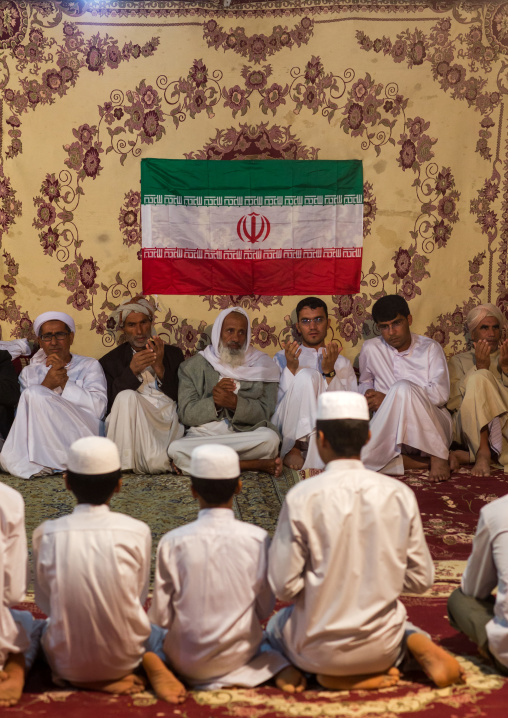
pixel 165 685
pixel 174 468
pixel 482 464
pixel 12 680
pixel 294 459
pixel 269 466
pixel 457 458
pixel 290 680
pixel 439 470
pixel 369 682
pixel 441 667
pixel 125 686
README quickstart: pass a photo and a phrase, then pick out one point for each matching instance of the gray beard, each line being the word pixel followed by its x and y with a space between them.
pixel 233 358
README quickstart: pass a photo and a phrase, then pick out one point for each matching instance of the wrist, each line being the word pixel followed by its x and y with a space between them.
pixel 329 374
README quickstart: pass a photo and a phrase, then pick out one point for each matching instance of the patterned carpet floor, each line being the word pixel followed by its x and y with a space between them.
pixel 449 514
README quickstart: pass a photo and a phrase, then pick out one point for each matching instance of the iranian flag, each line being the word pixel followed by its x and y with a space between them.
pixel 272 227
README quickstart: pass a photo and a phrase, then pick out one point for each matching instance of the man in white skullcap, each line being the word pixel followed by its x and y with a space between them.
pixel 347 543
pixel 63 398
pixel 92 571
pixel 405 380
pixel 227 395
pixel 211 589
pixel 142 376
pixel 479 393
pixel 307 369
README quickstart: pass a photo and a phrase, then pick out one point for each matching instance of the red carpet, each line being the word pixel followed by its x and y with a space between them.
pixel 449 513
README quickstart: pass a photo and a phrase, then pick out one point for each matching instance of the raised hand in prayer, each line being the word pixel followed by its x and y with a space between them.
pixel 482 354
pixel 503 356
pixel 374 399
pixel 57 374
pixel 292 351
pixel 157 346
pixel 141 360
pixel 330 353
pixel 223 394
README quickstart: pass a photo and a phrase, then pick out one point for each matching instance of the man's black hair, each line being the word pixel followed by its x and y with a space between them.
pixel 216 491
pixel 55 320
pixel 346 436
pixel 93 489
pixel 387 308
pixel 311 303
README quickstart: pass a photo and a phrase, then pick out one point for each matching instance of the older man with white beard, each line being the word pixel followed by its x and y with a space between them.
pixel 227 394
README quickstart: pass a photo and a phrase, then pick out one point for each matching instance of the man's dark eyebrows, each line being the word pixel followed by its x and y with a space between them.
pixel 487 326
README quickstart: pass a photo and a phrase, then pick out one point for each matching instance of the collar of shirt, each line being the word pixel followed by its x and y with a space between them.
pixel 405 353
pixel 216 514
pixel 344 465
pixel 91 508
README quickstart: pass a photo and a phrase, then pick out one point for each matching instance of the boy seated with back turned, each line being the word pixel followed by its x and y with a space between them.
pixel 91 579
pixel 211 589
pixel 347 543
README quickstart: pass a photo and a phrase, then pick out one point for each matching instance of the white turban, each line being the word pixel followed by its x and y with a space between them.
pixel 53 317
pixel 479 313
pixel 257 366
pixel 136 304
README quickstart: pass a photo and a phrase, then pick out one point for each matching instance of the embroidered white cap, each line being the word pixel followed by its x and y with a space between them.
pixel 53 317
pixel 213 461
pixel 93 455
pixel 342 405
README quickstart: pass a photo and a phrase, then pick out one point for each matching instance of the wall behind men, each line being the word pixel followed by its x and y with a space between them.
pixel 415 90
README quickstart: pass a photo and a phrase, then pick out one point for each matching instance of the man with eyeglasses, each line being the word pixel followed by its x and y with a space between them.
pixel 405 380
pixel 63 398
pixel 307 369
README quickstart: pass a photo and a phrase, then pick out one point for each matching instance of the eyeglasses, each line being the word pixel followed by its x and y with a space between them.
pixel 314 320
pixel 59 336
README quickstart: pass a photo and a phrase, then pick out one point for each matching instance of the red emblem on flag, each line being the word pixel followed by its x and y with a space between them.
pixel 257 230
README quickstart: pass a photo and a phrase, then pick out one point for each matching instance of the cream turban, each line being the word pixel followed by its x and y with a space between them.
pixel 136 304
pixel 53 317
pixel 479 313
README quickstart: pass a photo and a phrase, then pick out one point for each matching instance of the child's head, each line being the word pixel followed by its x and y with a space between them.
pixel 342 425
pixel 94 470
pixel 215 474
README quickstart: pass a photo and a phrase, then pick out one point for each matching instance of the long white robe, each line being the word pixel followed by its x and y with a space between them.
pixel 142 424
pixel 91 579
pixel 47 422
pixel 487 567
pixel 211 592
pixel 13 570
pixel 347 543
pixel 413 414
pixel 295 414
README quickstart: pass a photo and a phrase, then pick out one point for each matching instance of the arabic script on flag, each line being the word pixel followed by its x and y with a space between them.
pixel 273 227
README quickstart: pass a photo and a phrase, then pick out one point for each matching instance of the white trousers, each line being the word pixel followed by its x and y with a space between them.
pixel 45 426
pixel 406 418
pixel 262 443
pixel 143 431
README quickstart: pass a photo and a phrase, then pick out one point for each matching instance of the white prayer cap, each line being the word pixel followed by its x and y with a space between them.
pixel 342 405
pixel 481 312
pixel 93 455
pixel 53 317
pixel 213 461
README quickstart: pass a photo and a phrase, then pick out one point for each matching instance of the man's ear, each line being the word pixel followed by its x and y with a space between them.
pixel 66 481
pixel 194 492
pixel 409 319
pixel 321 440
pixel 239 487
pixel 118 486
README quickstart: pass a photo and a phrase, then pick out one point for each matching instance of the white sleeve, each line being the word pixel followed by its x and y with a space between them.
pixel 438 386
pixel 93 394
pixel 366 375
pixel 480 576
pixel 287 557
pixel 15 559
pixel 161 611
pixel 345 374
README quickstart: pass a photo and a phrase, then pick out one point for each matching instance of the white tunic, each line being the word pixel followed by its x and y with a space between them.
pixel 48 421
pixel 487 567
pixel 295 414
pixel 413 412
pixel 91 579
pixel 211 592
pixel 13 570
pixel 347 543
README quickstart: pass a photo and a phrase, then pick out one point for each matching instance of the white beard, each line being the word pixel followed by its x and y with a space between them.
pixel 232 357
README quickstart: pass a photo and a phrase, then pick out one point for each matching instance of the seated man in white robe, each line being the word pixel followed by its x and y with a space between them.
pixel 347 543
pixel 63 398
pixel 307 370
pixel 479 393
pixel 142 377
pixel 404 378
pixel 226 395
